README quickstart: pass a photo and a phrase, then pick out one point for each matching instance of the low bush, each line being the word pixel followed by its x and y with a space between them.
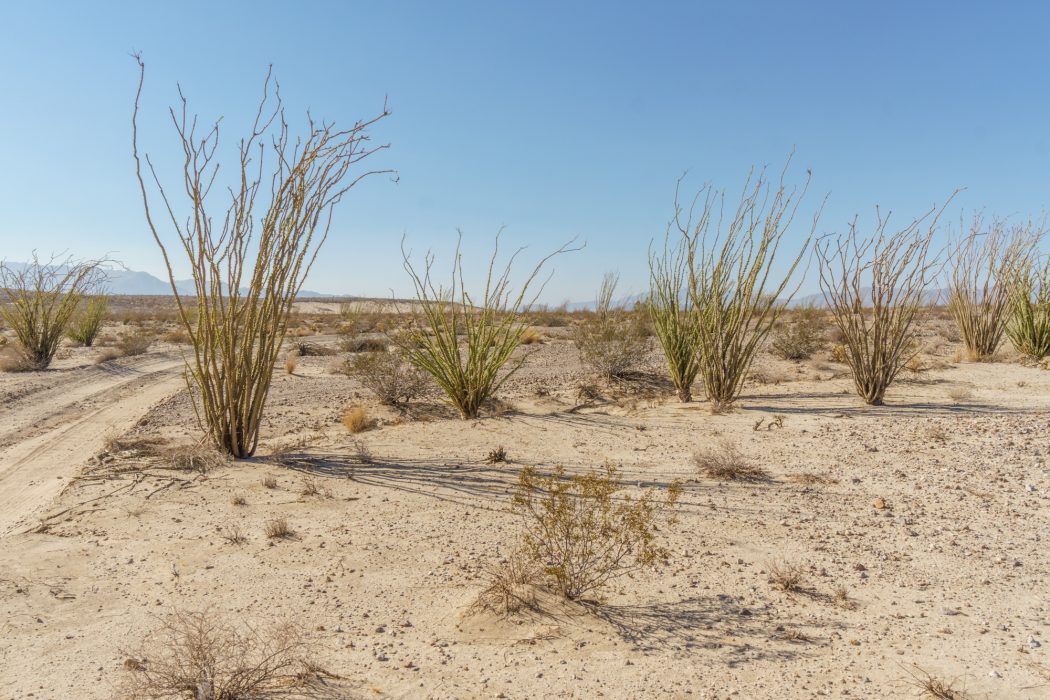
pixel 394 381
pixel 613 342
pixel 800 336
pixel 724 461
pixel 582 533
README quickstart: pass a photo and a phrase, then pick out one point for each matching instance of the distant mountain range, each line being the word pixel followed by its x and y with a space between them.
pixel 135 283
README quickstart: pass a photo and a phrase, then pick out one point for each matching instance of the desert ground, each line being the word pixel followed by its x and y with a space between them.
pixel 919 528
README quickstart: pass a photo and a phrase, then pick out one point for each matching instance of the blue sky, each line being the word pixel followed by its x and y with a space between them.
pixel 555 119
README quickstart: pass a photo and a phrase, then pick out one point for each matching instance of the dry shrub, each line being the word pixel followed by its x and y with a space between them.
pixel 314 350
pixel 129 344
pixel 393 380
pixel 583 534
pixel 931 687
pixel 238 499
pixel 511 586
pixel 811 479
pixel 786 576
pixel 611 340
pixel 269 482
pixel 801 336
pixel 356 420
pixel 277 529
pixel 12 360
pixel 365 345
pixel 232 534
pixel 202 656
pixel 178 336
pixel 724 461
pixel 199 457
pixel 313 489
pixel 291 362
pixel 497 455
pixel 531 336
pixel 85 325
pixel 960 394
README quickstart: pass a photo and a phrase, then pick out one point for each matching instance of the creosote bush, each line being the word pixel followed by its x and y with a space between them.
pixel 1029 324
pixel 42 298
pixel 984 263
pixel 584 533
pixel 393 380
pixel 723 460
pixel 86 324
pixel 611 341
pixel 875 287
pixel 674 317
pixel 491 328
pixel 202 656
pixel 730 256
pixel 801 335
pixel 249 260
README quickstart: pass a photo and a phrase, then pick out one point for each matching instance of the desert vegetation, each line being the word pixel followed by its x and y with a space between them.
pixel 247 272
pixel 1028 325
pixel 611 340
pixel 730 255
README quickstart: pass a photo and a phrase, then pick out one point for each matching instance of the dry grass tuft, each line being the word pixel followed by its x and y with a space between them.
pixel 786 576
pixel 269 482
pixel 724 461
pixel 238 499
pixel 232 534
pixel 497 455
pixel 811 479
pixel 277 529
pixel 356 420
pixel 531 336
pixel 291 362
pixel 313 489
pixel 930 687
pixel 960 394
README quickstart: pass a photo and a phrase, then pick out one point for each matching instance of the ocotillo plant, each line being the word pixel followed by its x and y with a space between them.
pixel 491 328
pixel 1029 324
pixel 874 287
pixel 85 326
pixel 979 288
pixel 673 315
pixel 248 269
pixel 730 258
pixel 42 298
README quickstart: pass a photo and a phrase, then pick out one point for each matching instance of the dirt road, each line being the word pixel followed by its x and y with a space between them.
pixel 49 425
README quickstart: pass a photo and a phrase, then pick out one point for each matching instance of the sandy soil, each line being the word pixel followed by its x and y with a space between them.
pixel 951 576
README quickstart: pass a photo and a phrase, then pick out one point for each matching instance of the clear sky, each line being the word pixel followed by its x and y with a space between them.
pixel 557 119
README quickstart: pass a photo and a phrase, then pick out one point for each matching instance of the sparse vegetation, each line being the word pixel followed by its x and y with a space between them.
pixel 583 533
pixel 497 455
pixel 610 340
pixel 277 529
pixel 511 585
pixel 723 460
pixel 786 576
pixel 801 335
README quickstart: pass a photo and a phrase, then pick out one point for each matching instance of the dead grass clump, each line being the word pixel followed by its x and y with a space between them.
pixel 959 394
pixel 136 343
pixel 232 534
pixel 269 482
pixel 200 655
pixel 531 336
pixel 356 420
pixel 786 576
pixel 313 489
pixel 13 361
pixel 199 457
pixel 277 529
pixel 511 586
pixel 362 454
pixel 179 336
pixel 842 598
pixel 497 455
pixel 394 381
pixel 238 499
pixel 583 533
pixel 291 362
pixel 930 687
pixel 724 461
